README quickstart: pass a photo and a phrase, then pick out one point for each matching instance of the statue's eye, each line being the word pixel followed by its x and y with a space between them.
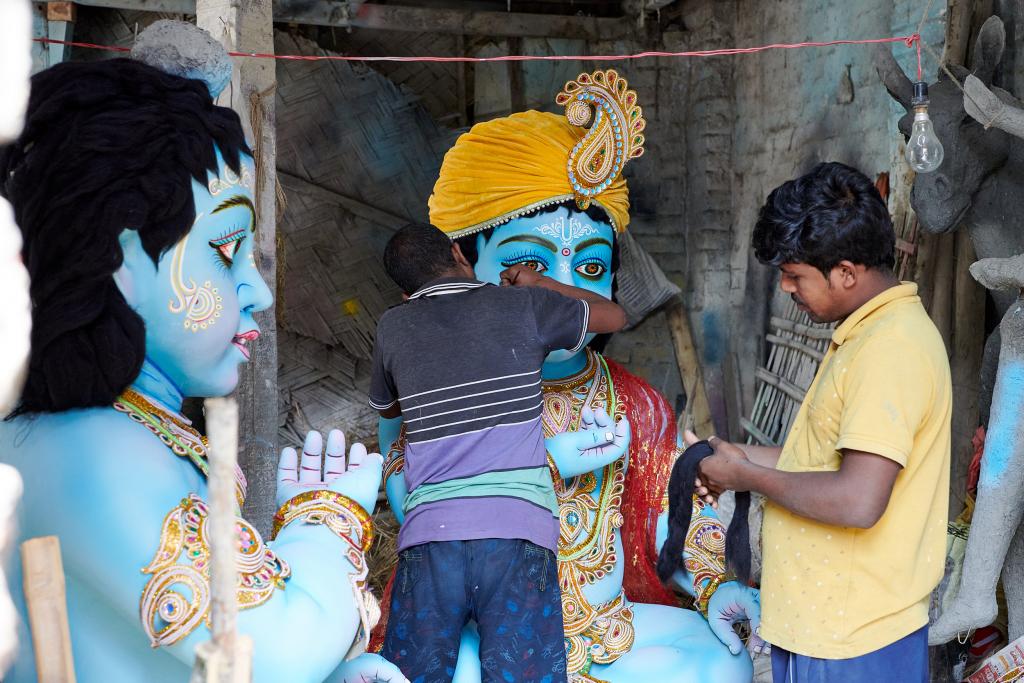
pixel 592 270
pixel 531 261
pixel 227 246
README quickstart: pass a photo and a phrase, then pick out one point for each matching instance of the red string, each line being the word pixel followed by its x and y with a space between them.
pixel 909 41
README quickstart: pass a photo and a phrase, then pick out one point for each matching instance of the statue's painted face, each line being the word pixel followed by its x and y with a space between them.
pixel 198 303
pixel 565 245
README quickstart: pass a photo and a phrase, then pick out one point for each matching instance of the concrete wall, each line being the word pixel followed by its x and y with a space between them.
pixel 740 126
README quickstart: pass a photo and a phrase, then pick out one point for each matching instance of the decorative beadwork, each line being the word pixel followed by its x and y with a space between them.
pixel 342 515
pixel 394 463
pixel 182 561
pixel 704 555
pixel 601 102
pixel 176 433
pixel 588 519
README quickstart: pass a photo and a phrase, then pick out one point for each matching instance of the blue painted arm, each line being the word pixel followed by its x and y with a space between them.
pixel 300 634
pixel 389 432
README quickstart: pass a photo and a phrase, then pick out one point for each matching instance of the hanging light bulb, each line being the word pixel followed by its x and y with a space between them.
pixel 924 151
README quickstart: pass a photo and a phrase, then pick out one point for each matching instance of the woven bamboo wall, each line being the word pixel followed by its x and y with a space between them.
pixel 357 156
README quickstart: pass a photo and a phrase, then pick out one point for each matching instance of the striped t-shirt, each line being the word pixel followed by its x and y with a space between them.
pixel 463 360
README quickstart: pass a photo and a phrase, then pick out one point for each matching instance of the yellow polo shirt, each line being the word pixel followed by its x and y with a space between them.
pixel 884 388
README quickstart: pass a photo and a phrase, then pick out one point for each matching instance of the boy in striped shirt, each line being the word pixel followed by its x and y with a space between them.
pixel 460 362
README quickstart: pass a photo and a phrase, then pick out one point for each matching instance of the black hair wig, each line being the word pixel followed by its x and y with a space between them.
pixel 681 487
pixel 417 254
pixel 107 145
pixel 832 214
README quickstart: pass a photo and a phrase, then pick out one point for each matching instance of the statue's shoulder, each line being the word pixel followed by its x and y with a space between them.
pixel 96 448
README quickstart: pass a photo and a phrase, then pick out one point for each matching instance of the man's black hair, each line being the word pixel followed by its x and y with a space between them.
pixel 417 254
pixel 107 145
pixel 594 212
pixel 832 214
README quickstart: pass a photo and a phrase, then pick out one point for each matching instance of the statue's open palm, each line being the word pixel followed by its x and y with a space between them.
pixel 358 479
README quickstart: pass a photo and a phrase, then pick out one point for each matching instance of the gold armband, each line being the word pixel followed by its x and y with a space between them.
pixel 342 515
pixel 704 599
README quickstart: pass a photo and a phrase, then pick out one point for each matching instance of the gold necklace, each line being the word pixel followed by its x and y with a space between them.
pixel 174 432
pixel 586 548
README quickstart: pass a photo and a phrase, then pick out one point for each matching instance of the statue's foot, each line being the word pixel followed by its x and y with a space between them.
pixel 961 617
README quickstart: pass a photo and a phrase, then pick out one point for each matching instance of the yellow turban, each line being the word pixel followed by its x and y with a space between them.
pixel 509 167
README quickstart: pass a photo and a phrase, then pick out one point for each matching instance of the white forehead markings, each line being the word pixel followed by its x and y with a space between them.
pixel 565 231
pixel 230 179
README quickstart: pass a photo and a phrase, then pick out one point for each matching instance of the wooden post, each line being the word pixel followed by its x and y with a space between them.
pixel 45 599
pixel 221 659
pixel 698 413
pixel 247 27
pixel 56 21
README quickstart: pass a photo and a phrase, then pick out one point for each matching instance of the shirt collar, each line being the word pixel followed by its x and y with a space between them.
pixel 903 290
pixel 446 285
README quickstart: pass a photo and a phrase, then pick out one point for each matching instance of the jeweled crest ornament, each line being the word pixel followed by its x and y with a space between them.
pixel 602 103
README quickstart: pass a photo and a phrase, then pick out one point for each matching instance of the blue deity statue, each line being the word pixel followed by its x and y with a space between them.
pixel 534 189
pixel 134 193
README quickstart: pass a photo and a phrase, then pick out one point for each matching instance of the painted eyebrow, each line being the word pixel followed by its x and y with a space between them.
pixel 591 242
pixel 238 200
pixel 530 238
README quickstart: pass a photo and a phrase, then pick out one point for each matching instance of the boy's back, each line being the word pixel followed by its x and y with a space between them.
pixel 463 358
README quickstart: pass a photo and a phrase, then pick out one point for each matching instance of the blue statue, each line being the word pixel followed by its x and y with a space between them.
pixel 534 189
pixel 134 193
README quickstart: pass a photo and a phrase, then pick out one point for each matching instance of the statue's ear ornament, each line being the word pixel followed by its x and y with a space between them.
pixel 601 103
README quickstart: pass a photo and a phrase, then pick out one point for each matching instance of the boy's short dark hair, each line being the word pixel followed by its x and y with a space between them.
pixel 417 254
pixel 831 214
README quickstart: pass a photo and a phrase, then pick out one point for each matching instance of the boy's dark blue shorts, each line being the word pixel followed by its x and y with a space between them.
pixel 509 587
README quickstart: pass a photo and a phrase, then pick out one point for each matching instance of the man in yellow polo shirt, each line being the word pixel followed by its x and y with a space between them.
pixel 854 530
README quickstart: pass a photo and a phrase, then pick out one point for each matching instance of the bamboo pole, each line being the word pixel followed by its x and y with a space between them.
pixel 46 600
pixel 697 408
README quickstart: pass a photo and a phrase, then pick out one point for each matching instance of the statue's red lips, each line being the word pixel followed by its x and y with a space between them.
pixel 240 340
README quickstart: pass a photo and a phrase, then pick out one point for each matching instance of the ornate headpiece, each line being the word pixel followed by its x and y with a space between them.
pixel 601 102
pixel 511 166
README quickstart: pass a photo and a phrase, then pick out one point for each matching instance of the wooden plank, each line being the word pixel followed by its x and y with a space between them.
pixel 413 19
pixel 797 346
pixel 248 27
pixel 782 384
pixel 752 429
pixel 689 368
pixel 797 328
pixel 46 600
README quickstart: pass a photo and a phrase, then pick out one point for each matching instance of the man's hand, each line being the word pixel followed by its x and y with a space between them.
pixel 520 275
pixel 721 471
pixel 359 479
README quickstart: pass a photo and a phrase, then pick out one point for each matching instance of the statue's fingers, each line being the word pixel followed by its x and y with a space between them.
pixel 312 457
pixel 287 467
pixel 721 626
pixel 356 455
pixel 587 417
pixel 601 418
pixel 592 438
pixel 622 430
pixel 334 464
